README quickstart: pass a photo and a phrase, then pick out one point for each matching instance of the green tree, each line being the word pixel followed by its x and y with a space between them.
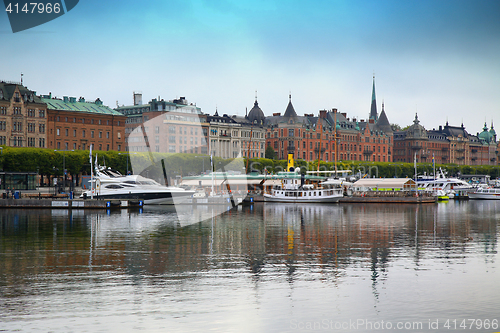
pixel 270 153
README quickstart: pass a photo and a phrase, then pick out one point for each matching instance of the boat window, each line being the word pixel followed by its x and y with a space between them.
pixel 130 182
pixel 113 186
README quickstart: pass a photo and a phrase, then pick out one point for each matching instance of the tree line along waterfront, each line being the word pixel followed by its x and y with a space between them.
pixel 49 164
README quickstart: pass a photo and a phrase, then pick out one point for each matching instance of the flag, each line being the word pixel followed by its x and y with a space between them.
pixel 433 162
pixel 90 155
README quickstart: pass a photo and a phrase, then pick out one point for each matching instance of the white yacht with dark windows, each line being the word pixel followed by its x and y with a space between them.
pixel 111 184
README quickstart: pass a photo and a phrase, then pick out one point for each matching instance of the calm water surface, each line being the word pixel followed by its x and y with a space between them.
pixel 267 268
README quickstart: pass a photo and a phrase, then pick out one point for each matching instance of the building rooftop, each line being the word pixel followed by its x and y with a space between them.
pixel 71 104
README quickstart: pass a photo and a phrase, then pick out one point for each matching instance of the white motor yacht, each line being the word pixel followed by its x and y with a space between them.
pixel 111 184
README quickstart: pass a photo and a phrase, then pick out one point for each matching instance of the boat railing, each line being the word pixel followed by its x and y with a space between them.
pixel 391 194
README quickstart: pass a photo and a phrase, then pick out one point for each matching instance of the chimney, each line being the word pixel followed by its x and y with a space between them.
pixel 137 98
pixel 276 114
pixel 334 110
pixel 371 120
pixel 344 114
pixel 440 128
pixel 322 114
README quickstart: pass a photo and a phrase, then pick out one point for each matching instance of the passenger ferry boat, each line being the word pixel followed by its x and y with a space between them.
pixel 485 194
pixel 293 189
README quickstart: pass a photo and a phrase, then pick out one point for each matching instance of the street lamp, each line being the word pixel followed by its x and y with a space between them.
pixel 64 167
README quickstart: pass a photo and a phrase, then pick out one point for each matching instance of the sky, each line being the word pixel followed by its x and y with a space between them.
pixel 439 59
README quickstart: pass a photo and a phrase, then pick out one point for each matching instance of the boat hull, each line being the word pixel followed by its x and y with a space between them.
pixel 326 199
pixel 148 198
pixel 484 196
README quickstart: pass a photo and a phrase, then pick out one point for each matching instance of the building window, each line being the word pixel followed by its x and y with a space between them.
pixel 107 135
pixel 83 133
pixel 74 145
pixel 100 135
pixel 91 134
pixel 67 132
pixel 58 131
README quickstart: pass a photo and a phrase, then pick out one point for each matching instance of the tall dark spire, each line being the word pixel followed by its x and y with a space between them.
pixel 373 111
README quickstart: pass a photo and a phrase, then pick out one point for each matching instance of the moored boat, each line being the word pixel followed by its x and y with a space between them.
pixel 111 184
pixel 485 194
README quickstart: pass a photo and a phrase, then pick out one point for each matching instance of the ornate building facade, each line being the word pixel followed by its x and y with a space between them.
pixel 448 144
pixel 23 117
pixel 330 136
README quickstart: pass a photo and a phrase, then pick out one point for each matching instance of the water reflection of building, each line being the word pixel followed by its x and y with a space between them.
pixel 322 241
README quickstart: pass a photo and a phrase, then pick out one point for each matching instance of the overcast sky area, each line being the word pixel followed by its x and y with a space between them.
pixel 437 58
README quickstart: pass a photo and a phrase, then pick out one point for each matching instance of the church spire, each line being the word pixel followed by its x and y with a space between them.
pixel 373 111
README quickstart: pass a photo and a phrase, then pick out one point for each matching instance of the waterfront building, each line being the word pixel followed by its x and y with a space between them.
pixel 330 136
pixel 174 126
pixel 23 117
pixel 77 124
pixel 448 144
pixel 233 136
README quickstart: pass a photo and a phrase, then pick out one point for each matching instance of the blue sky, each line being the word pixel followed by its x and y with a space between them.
pixel 437 58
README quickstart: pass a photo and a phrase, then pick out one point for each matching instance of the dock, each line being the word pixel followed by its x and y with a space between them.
pixel 385 199
pixel 69 204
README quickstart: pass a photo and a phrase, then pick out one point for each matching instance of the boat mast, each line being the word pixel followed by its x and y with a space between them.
pixel 212 167
pixel 320 137
pixel 335 140
pixel 248 150
pixel 91 175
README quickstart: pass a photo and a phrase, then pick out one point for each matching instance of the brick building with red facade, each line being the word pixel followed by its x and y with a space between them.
pixel 76 124
pixel 309 137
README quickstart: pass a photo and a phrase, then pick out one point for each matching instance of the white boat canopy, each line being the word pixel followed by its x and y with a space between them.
pixel 384 184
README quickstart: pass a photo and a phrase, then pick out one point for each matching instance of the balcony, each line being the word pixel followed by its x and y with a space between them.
pixel 317 149
pixel 416 147
pixel 224 135
pixel 461 150
pixel 368 151
pixel 445 149
pixel 474 151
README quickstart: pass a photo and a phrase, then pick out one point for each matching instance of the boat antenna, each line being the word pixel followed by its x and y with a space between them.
pixel 320 137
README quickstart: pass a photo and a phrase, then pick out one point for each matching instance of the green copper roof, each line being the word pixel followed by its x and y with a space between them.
pixel 77 106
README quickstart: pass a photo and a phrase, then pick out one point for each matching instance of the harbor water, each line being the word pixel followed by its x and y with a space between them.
pixel 269 267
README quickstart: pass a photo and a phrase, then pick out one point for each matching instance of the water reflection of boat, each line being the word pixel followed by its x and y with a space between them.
pixel 111 184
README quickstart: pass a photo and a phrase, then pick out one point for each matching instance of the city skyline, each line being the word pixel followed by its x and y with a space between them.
pixel 438 59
